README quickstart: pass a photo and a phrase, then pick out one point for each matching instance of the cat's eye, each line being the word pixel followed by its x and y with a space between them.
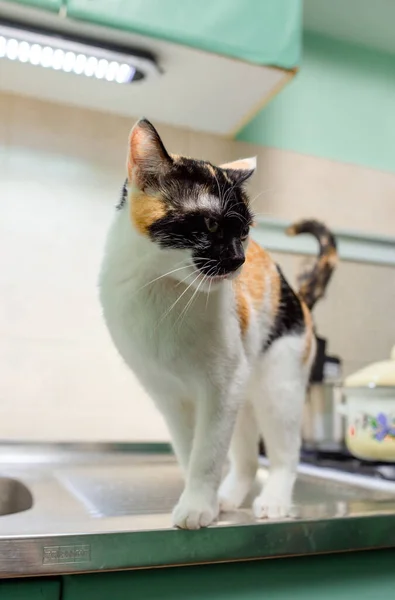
pixel 244 234
pixel 211 224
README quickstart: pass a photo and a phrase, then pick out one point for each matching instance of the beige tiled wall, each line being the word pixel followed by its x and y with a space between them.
pixel 61 170
pixel 356 316
pixel 293 186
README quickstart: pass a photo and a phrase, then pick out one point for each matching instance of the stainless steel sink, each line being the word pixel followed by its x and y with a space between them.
pixel 73 509
pixel 14 496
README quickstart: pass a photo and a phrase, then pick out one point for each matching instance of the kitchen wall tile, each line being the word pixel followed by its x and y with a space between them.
pixel 56 390
pixel 357 313
pixel 294 186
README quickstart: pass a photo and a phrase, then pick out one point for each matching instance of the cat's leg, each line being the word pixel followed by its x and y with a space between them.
pixel 279 409
pixel 243 460
pixel 179 416
pixel 216 413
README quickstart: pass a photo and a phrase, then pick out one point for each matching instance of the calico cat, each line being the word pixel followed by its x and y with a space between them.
pixel 209 325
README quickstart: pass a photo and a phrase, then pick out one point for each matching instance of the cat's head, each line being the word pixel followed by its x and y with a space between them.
pixel 191 207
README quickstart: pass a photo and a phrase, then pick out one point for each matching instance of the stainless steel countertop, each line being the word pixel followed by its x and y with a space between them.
pixel 106 507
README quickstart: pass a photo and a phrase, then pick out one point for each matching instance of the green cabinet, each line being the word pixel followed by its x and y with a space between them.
pixel 53 5
pixel 362 575
pixel 366 576
pixel 258 31
pixel 30 589
pixel 264 32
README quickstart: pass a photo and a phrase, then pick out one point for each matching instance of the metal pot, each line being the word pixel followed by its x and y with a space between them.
pixel 323 426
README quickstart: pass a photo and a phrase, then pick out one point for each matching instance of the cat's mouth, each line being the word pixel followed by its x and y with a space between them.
pixel 217 278
pixel 223 276
pixel 213 276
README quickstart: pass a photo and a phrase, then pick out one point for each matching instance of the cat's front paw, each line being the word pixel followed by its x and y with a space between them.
pixel 273 506
pixel 195 510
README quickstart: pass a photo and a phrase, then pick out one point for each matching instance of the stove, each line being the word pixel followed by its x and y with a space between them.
pixel 342 460
pixel 337 458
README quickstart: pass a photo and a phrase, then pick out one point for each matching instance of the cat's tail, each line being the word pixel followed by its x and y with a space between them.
pixel 313 281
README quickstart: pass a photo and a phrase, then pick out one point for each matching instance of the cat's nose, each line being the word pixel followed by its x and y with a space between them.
pixel 232 263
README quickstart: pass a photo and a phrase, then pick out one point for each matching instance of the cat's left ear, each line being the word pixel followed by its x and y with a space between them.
pixel 147 156
pixel 240 170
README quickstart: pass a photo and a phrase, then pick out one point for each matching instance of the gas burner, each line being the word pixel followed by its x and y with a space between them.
pixel 337 457
pixel 342 460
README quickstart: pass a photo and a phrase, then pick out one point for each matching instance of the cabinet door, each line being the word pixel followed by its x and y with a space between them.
pixel 263 32
pixel 363 575
pixel 53 5
pixel 30 589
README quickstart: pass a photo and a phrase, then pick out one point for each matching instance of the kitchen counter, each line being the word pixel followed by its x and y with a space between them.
pixel 107 507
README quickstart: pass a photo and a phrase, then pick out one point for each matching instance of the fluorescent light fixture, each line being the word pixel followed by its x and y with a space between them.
pixel 72 55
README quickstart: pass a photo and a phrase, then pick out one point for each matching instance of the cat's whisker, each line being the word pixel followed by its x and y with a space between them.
pixel 177 300
pixel 219 188
pixel 251 202
pixel 206 260
pixel 205 263
pixel 189 275
pixel 227 195
pixel 210 274
pixel 189 303
pixel 264 214
pixel 160 277
pixel 237 216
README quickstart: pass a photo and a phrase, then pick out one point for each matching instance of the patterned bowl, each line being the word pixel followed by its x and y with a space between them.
pixel 369 408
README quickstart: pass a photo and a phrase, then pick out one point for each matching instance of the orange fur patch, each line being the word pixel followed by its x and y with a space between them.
pixel 251 285
pixel 242 306
pixel 211 170
pixel 309 333
pixel 145 210
pixel 332 257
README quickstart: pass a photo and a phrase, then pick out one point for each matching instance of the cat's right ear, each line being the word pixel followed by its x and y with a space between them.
pixel 147 156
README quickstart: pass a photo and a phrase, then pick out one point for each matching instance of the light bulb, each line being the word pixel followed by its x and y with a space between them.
pixel 11 50
pixel 35 54
pixel 46 56
pixel 57 59
pixel 3 45
pixel 101 68
pixel 79 64
pixel 112 70
pixel 124 73
pixel 69 61
pixel 24 51
pixel 90 66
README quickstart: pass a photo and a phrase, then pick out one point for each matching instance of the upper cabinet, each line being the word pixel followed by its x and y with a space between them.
pixel 53 5
pixel 264 32
pixel 220 60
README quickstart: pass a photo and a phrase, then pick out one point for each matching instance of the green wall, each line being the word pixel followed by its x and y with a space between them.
pixel 340 106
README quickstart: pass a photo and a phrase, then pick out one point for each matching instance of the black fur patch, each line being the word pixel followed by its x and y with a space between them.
pixel 122 200
pixel 182 189
pixel 186 179
pixel 289 318
pixel 189 230
pixel 313 281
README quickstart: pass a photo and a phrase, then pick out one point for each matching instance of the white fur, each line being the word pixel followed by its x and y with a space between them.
pixel 203 376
